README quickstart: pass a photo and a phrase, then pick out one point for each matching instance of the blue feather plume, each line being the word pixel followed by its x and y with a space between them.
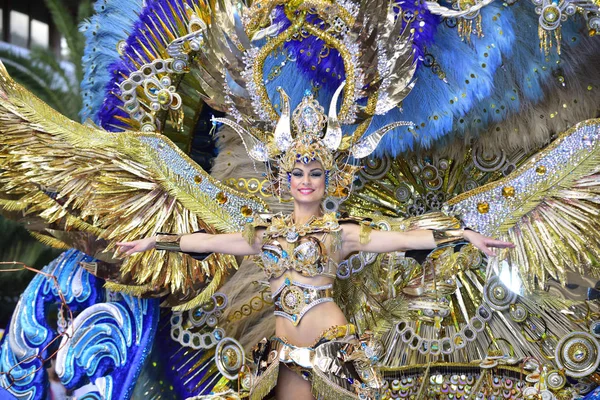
pixel 111 23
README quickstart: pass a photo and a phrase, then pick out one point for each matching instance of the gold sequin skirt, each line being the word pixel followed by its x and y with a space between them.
pixel 339 365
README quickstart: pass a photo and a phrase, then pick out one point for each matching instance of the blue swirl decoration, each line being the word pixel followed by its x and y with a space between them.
pixel 108 345
pixel 595 395
pixel 106 338
pixel 29 331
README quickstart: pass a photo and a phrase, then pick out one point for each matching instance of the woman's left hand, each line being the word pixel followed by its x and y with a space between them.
pixel 485 243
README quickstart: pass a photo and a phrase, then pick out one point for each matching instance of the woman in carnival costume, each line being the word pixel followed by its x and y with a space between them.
pixel 341 310
pixel 300 253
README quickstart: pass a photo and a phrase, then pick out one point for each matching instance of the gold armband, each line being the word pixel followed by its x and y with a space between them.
pixel 449 236
pixel 169 242
pixel 364 234
pixel 249 232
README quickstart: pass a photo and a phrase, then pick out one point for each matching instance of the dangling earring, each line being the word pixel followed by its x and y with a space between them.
pixel 326 181
pixel 289 176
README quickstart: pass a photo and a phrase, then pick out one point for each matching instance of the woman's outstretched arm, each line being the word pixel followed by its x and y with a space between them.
pixel 385 241
pixel 225 243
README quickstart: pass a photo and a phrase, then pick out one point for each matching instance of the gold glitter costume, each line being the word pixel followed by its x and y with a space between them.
pixel 449 319
pixel 338 365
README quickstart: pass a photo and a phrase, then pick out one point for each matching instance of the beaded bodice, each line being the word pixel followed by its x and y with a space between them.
pixel 299 247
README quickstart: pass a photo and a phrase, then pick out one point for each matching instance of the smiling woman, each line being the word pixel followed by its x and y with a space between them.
pixel 300 254
pixel 308 183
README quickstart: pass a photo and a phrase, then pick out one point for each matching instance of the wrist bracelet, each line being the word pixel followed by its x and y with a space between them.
pixel 449 236
pixel 168 242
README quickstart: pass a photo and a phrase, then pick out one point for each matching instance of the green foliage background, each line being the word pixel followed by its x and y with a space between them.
pixel 43 74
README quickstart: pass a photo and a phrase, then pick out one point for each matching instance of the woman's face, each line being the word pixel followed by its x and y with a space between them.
pixel 307 182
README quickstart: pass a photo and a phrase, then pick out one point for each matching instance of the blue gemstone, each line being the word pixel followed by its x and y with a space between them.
pixel 249 219
pixel 218 335
pixel 284 254
pixel 308 92
pixel 294 317
pixel 287 281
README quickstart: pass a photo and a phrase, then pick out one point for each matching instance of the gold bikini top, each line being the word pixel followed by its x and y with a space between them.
pixel 306 254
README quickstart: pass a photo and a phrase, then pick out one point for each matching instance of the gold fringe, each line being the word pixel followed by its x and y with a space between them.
pixel 204 296
pixel 128 289
pixel 50 241
pixel 325 389
pixel 266 382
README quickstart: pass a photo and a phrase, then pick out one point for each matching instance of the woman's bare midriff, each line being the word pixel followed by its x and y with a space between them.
pixel 315 321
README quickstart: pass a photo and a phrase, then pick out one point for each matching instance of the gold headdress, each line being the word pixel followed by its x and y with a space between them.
pixel 373 52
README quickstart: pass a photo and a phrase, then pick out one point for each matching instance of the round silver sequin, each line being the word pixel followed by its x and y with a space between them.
pixel 578 354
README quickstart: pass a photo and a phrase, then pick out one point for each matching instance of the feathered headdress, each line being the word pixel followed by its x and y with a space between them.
pixel 250 54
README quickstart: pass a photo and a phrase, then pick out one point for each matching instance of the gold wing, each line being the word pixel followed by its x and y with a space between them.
pixel 548 208
pixel 88 188
pixel 372 297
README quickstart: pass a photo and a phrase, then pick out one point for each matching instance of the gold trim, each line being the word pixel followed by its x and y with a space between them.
pixel 168 242
pixel 265 382
pixel 447 236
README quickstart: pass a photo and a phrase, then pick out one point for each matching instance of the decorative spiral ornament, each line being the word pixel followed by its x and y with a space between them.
pixel 470 185
pixel 403 192
pixel 429 173
pixel 555 379
pixel 246 379
pixel 550 17
pixel 331 204
pixel 518 313
pixel 488 162
pixel 229 358
pixel 578 354
pixel 359 182
pixel 498 296
pixel 179 65
pixel 376 167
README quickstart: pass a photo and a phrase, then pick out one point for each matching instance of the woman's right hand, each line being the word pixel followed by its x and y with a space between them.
pixel 136 246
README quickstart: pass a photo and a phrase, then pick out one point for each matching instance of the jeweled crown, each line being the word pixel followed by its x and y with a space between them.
pixel 241 45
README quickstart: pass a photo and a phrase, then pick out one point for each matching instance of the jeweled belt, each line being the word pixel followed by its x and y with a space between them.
pixel 294 299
